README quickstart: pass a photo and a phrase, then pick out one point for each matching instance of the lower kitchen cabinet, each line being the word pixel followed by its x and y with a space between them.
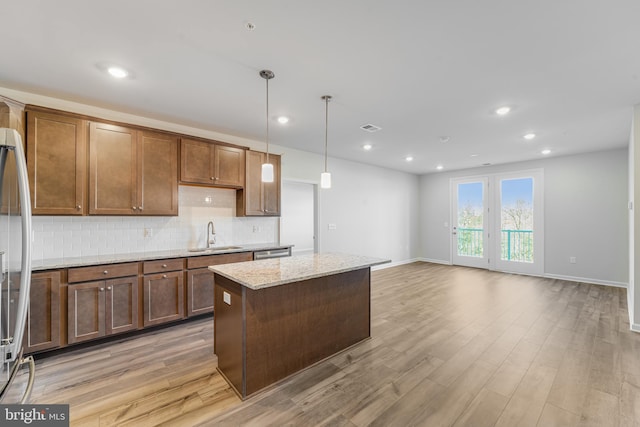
pixel 100 308
pixel 199 291
pixel 42 331
pixel 163 297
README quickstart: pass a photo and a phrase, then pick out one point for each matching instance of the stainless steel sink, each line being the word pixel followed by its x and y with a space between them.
pixel 215 249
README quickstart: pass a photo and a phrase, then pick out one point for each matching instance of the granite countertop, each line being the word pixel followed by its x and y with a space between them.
pixel 279 271
pixel 50 264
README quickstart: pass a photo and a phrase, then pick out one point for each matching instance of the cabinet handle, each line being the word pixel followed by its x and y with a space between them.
pixel 105 272
pixel 139 208
pixel 164 265
pixel 164 276
pixel 108 288
pixel 134 208
pixel 78 207
pixel 212 178
pixel 101 289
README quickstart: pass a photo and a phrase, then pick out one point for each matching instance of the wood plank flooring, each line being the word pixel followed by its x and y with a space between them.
pixel 450 346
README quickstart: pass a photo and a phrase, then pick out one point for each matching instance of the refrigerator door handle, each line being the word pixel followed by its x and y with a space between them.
pixel 13 348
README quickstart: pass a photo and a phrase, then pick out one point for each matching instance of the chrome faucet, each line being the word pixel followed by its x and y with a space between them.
pixel 211 235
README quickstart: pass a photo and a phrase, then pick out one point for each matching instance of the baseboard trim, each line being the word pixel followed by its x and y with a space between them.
pixel 435 261
pixel 394 264
pixel 586 280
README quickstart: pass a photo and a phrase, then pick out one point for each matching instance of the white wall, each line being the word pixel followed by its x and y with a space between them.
pixel 585 214
pixel 633 293
pixel 297 225
pixel 375 210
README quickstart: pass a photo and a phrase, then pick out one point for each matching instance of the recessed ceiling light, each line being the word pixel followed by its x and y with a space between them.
pixel 445 138
pixel 117 72
pixel 367 147
pixel 409 158
pixel 439 167
pixel 546 151
pixel 474 155
pixel 250 26
pixel 503 110
pixel 529 136
pixel 283 120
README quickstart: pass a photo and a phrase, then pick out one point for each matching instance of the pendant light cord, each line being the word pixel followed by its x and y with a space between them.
pixel 267 120
pixel 326 129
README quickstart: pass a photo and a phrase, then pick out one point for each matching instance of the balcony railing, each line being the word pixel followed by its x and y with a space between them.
pixel 516 245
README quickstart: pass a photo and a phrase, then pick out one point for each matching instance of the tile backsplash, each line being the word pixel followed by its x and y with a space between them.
pixel 67 236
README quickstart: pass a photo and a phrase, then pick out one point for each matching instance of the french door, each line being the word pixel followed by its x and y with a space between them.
pixel 497 222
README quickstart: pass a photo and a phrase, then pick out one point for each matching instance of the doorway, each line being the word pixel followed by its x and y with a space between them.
pixel 298 224
pixel 497 222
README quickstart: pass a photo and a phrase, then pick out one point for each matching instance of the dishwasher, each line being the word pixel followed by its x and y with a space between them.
pixel 272 253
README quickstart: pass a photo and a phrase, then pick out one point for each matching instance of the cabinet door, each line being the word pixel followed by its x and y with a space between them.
pixel 121 313
pixel 157 174
pixel 163 298
pixel 271 190
pixel 229 166
pixel 43 322
pixel 112 170
pixel 56 160
pixel 199 291
pixel 196 162
pixel 86 315
pixel 253 184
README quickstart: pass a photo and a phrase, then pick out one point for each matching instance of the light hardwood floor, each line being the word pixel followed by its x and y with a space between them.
pixel 450 346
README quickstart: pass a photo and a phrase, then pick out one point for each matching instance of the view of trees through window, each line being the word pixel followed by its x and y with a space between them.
pixel 516 219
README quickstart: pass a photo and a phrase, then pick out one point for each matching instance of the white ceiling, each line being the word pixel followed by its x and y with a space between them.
pixel 419 69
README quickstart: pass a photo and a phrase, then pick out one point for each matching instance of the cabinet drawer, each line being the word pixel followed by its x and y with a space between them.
pixel 101 272
pixel 207 260
pixel 163 265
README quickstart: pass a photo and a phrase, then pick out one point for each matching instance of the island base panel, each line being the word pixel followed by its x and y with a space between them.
pixel 290 327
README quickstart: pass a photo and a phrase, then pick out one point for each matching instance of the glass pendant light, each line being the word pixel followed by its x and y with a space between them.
pixel 267 168
pixel 325 177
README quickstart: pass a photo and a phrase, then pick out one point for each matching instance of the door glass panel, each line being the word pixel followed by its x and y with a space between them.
pixel 470 219
pixel 516 220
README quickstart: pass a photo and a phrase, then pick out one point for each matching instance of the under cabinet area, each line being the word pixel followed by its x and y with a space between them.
pixel 102 300
pixel 211 164
pixel 163 290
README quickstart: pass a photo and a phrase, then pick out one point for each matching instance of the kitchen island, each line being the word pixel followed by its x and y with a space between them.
pixel 276 317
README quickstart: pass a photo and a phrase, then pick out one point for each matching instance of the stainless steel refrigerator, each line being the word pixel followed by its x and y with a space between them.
pixel 15 265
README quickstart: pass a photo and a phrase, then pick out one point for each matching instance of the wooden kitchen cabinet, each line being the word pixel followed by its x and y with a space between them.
pixel 132 171
pixel 259 198
pixel 42 331
pixel 211 164
pixel 200 280
pixel 163 297
pixel 103 306
pixel 56 162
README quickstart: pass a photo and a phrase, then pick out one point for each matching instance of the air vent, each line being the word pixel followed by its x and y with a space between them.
pixel 370 128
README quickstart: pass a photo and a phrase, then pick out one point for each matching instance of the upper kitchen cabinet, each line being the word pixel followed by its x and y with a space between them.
pixel 132 171
pixel 259 198
pixel 157 174
pixel 112 170
pixel 56 161
pixel 211 164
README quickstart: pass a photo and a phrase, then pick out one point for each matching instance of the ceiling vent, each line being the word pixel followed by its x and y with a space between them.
pixel 370 128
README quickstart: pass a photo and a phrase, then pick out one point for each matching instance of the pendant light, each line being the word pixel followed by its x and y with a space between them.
pixel 325 177
pixel 267 168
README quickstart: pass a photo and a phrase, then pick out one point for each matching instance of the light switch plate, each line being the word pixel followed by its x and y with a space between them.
pixel 226 297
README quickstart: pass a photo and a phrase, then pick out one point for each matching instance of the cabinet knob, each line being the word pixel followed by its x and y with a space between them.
pixel 139 208
pixel 78 207
pixel 212 178
pixel 164 265
pixel 135 208
pixel 108 288
pixel 164 276
pixel 105 272
pixel 101 289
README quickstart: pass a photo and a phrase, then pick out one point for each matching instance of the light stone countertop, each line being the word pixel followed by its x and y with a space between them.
pixel 57 263
pixel 279 271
